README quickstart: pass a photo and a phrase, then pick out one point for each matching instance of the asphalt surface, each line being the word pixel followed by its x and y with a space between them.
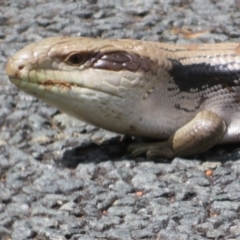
pixel 63 179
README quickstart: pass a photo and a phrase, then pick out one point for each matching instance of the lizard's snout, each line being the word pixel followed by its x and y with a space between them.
pixel 20 63
pixel 13 68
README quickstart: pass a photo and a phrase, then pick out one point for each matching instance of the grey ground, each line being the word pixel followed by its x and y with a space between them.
pixel 64 179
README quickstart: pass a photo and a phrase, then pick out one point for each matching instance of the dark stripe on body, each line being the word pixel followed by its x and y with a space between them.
pixel 203 75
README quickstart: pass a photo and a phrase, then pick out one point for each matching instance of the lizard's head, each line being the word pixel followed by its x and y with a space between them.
pixel 91 79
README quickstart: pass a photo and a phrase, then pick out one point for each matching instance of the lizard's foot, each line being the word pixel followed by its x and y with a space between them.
pixel 204 131
pixel 152 149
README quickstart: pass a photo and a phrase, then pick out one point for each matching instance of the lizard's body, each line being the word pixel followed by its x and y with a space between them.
pixel 189 95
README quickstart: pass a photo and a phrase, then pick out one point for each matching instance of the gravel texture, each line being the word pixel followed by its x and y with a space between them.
pixel 63 179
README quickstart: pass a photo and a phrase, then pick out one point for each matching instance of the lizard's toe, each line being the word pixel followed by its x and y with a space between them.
pixel 136 149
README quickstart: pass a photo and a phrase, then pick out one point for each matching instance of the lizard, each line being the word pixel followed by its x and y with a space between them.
pixel 184 97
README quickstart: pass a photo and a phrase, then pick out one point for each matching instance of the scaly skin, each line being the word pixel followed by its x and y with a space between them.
pixel 186 95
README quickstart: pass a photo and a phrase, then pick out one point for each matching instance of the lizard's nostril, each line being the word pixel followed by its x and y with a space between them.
pixel 15 67
pixel 20 67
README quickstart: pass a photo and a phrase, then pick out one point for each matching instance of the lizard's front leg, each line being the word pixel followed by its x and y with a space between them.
pixel 204 131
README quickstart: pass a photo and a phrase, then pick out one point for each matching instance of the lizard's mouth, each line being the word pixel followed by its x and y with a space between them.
pixel 39 82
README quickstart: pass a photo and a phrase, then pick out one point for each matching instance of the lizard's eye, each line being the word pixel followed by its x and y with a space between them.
pixel 76 59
